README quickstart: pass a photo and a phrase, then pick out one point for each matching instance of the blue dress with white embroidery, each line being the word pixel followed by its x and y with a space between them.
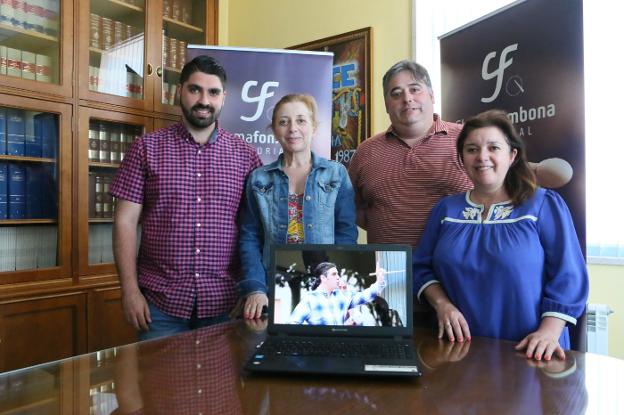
pixel 507 271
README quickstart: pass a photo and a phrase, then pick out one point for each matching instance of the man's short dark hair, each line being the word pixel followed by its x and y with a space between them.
pixel 206 64
pixel 419 73
pixel 320 270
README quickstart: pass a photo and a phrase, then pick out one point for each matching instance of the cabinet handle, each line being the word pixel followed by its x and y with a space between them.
pixel 159 71
pixel 150 69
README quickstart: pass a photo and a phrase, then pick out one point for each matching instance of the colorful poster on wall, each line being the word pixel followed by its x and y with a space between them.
pixel 257 79
pixel 350 90
pixel 527 59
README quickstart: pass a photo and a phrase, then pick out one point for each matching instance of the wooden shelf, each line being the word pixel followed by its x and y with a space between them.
pixel 29 40
pixel 5 222
pixel 104 165
pixel 100 220
pixel 183 26
pixel 114 9
pixel 28 159
pixel 170 69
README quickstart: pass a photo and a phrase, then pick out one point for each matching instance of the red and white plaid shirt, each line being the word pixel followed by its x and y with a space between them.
pixel 190 195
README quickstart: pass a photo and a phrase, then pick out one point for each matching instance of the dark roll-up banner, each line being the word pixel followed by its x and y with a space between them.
pixel 258 78
pixel 527 59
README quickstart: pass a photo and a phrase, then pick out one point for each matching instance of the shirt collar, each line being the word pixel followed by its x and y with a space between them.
pixel 279 163
pixel 214 136
pixel 439 126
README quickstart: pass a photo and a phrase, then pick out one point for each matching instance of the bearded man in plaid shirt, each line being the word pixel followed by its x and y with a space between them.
pixel 185 183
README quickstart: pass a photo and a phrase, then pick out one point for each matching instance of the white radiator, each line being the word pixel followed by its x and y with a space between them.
pixel 598 328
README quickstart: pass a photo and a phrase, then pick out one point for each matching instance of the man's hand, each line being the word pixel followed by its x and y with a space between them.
pixel 380 273
pixel 136 310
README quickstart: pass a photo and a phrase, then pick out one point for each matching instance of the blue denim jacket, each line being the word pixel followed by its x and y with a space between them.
pixel 328 215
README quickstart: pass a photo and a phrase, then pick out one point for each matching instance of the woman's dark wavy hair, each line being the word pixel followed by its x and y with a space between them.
pixel 520 182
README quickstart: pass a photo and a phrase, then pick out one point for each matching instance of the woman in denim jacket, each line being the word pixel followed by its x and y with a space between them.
pixel 299 198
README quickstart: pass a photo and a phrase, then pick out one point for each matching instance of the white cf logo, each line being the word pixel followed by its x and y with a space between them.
pixel 260 99
pixel 503 64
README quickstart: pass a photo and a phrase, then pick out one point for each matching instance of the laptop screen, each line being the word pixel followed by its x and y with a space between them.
pixel 362 289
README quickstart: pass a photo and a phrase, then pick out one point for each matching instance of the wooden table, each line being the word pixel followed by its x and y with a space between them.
pixel 200 372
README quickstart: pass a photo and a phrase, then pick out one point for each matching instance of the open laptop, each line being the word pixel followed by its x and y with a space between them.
pixel 345 321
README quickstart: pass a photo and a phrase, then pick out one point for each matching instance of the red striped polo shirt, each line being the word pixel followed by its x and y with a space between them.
pixel 397 185
pixel 190 195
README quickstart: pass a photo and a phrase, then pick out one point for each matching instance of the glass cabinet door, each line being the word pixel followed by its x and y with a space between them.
pixel 34 219
pixel 105 137
pixel 116 50
pixel 32 45
pixel 184 22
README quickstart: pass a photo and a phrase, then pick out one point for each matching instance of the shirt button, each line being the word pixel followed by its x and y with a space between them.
pixel 198 174
pixel 198 199
pixel 199 391
pixel 197 274
pixel 198 151
pixel 308 198
pixel 198 225
pixel 198 366
pixel 309 226
pixel 197 251
pixel 197 341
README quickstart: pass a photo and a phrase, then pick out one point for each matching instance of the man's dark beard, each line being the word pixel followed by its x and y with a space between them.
pixel 200 122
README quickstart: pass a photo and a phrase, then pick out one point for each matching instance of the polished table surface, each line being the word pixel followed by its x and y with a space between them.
pixel 200 372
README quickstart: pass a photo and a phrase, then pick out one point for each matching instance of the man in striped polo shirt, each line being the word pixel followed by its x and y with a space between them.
pixel 399 174
pixel 185 183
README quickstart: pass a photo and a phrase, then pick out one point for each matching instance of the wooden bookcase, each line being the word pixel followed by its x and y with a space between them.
pixel 71 303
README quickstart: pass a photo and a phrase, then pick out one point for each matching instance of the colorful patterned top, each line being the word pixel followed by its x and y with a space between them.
pixel 295 219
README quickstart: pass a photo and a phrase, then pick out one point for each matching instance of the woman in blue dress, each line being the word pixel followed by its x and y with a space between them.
pixel 502 260
pixel 299 198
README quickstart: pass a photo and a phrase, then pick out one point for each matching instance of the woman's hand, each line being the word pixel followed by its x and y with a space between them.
pixel 254 304
pixel 451 321
pixel 544 343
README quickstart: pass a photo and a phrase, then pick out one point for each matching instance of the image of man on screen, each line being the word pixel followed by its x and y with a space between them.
pixel 327 304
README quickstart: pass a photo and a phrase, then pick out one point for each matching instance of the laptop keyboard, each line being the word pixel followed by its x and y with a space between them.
pixel 302 347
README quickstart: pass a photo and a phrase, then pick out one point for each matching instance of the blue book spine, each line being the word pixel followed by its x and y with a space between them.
pixel 4 190
pixel 32 138
pixel 48 196
pixel 15 131
pixel 33 192
pixel 3 137
pixel 50 134
pixel 17 191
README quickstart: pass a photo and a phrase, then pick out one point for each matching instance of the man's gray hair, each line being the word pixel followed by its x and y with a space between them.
pixel 419 73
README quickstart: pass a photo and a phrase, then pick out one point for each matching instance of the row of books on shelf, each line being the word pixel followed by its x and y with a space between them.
pixel 103 80
pixel 174 52
pixel 101 243
pixel 105 33
pixel 28 247
pixel 27 191
pixel 25 64
pixel 39 15
pixel 109 143
pixel 169 93
pixel 180 10
pixel 101 203
pixel 28 133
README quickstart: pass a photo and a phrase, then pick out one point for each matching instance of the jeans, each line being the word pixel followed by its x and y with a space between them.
pixel 165 325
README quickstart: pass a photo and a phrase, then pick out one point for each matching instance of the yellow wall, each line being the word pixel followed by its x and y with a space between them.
pixel 283 23
pixel 606 286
